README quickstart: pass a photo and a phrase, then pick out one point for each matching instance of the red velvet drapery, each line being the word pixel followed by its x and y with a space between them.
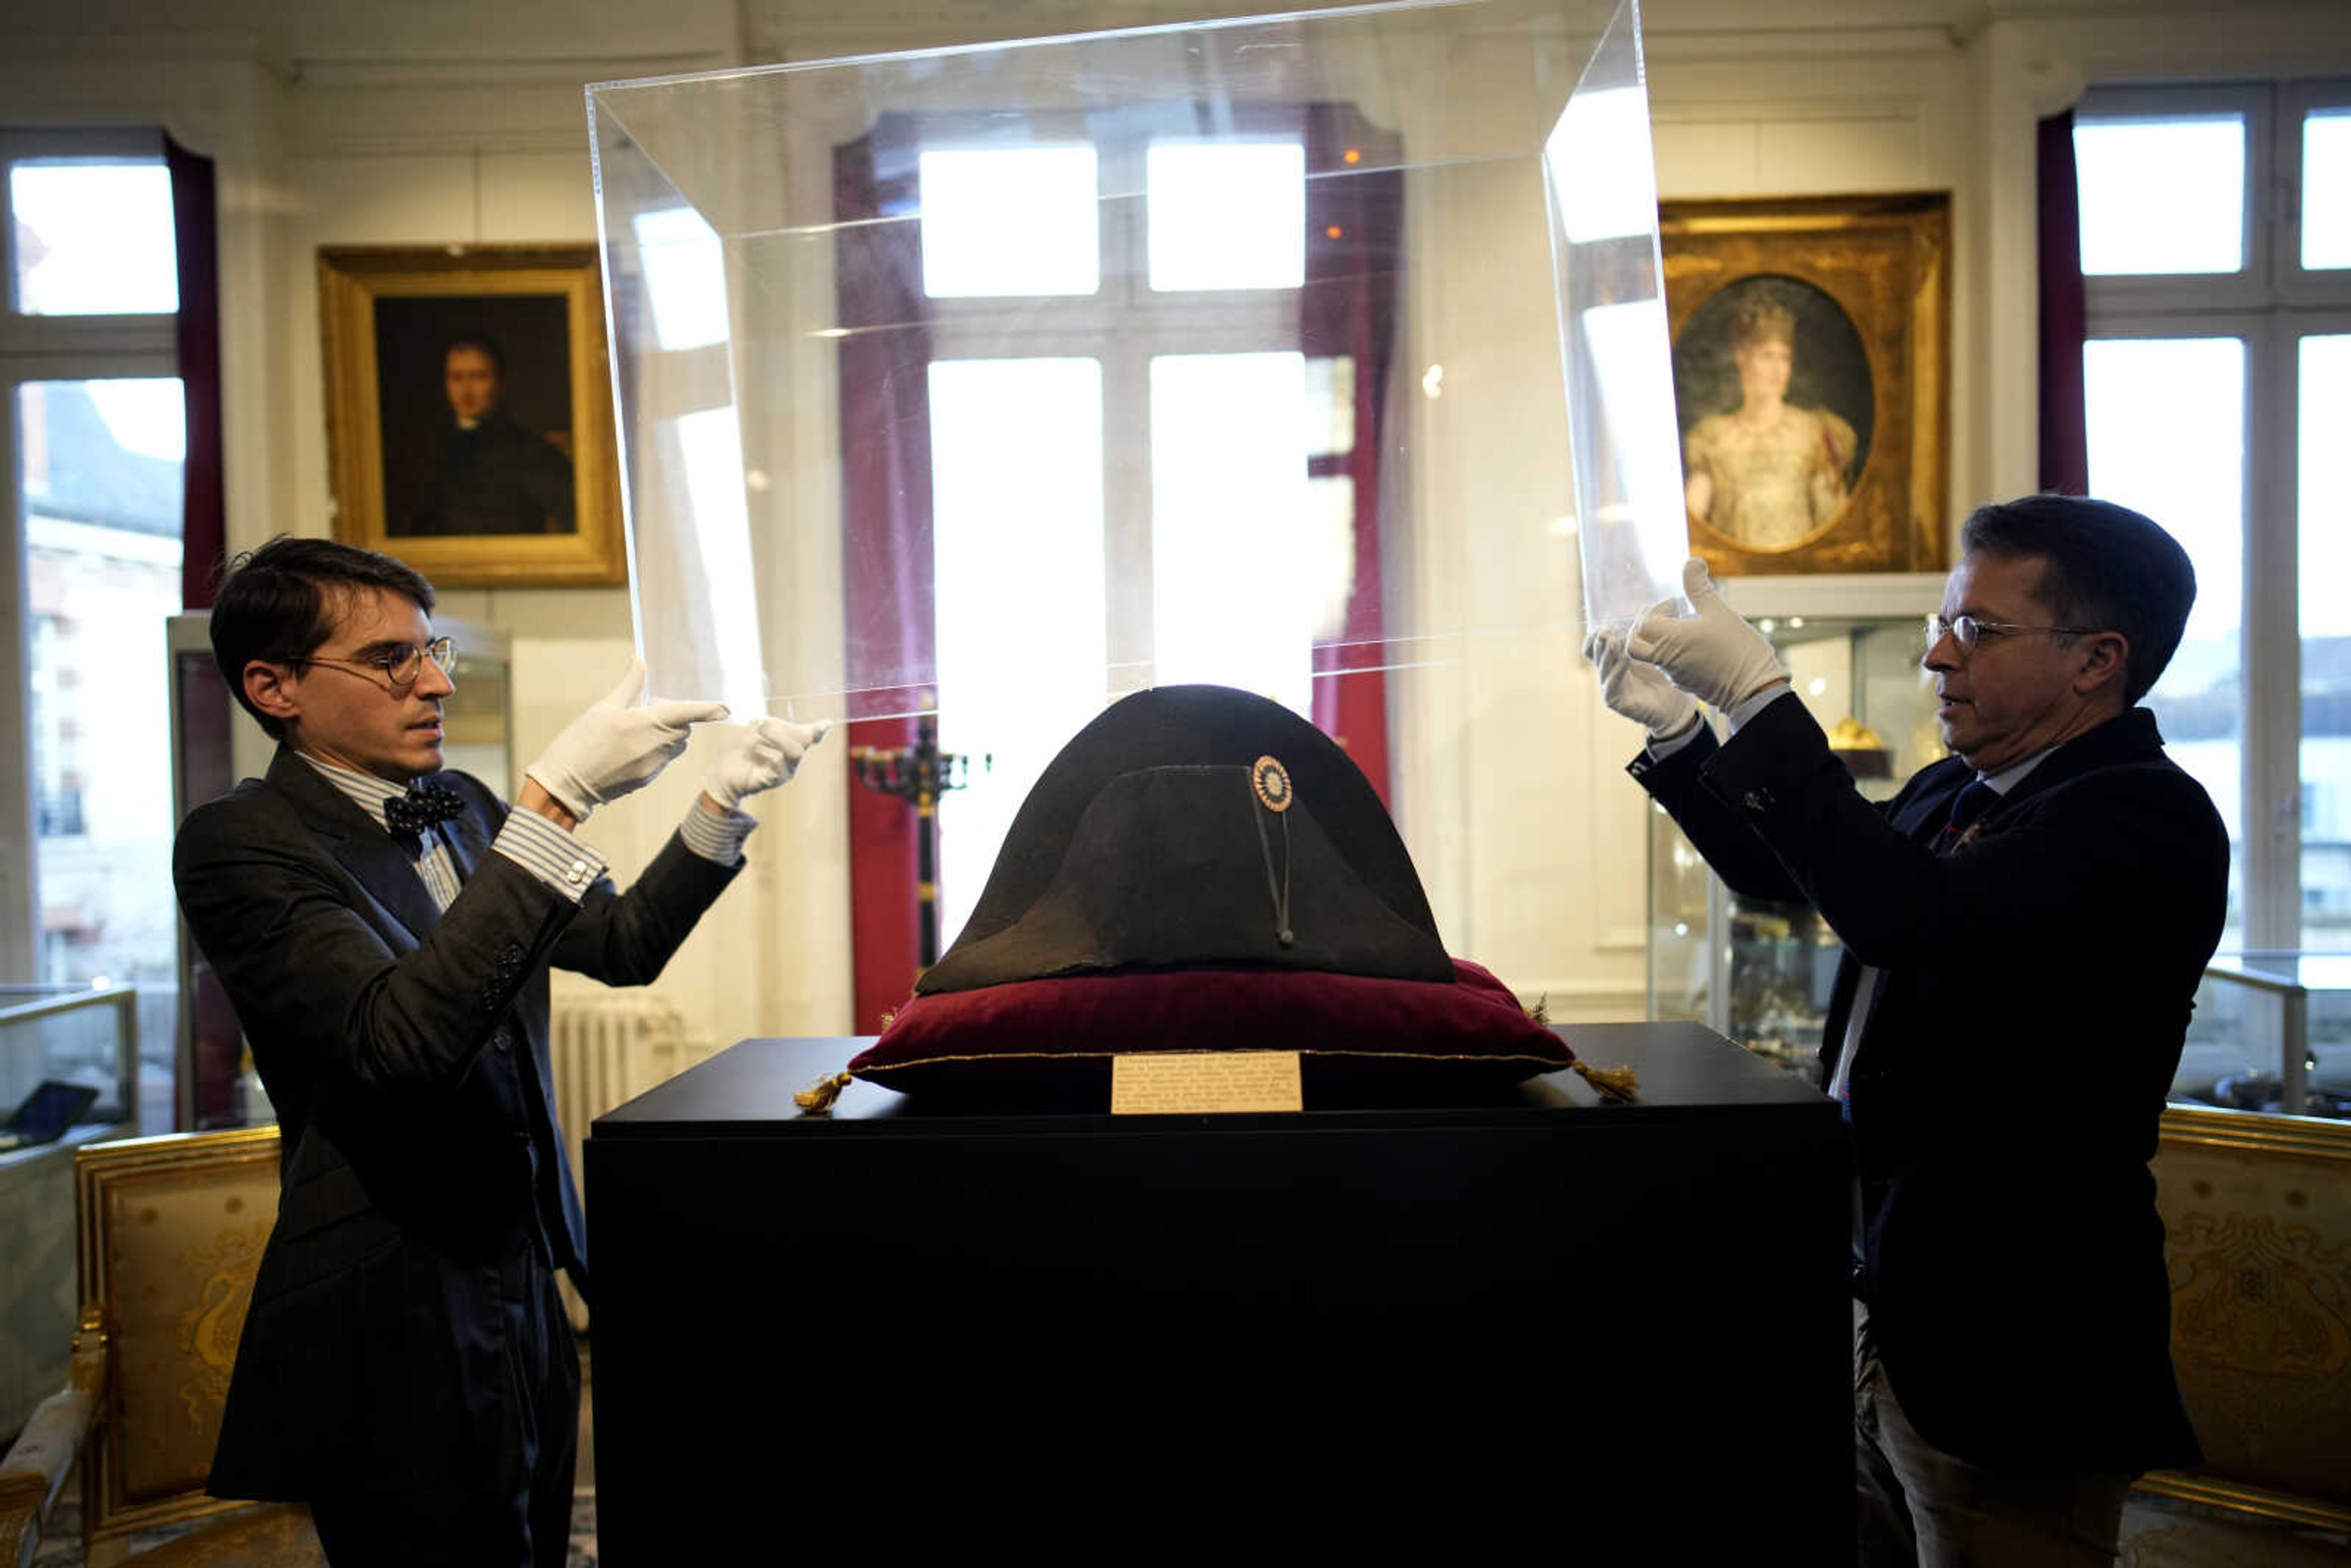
pixel 2064 314
pixel 204 510
pixel 1354 244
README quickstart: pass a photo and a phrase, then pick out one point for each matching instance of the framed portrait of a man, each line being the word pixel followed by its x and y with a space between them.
pixel 1811 366
pixel 469 411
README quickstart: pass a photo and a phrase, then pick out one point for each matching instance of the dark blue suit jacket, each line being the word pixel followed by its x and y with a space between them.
pixel 2035 992
pixel 406 1052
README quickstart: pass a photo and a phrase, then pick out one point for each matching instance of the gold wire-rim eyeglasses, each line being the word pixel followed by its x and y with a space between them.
pixel 402 666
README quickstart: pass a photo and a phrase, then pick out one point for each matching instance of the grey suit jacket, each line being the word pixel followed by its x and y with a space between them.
pixel 405 1051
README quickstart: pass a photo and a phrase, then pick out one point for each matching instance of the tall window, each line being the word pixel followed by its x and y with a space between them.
pixel 93 440
pixel 2216 238
pixel 1119 405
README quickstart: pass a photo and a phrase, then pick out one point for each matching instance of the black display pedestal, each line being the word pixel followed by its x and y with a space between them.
pixel 1076 1334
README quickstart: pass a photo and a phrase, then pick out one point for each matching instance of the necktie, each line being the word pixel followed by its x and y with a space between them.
pixel 427 801
pixel 1970 802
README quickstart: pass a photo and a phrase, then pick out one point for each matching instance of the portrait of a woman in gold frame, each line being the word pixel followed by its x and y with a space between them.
pixel 1812 353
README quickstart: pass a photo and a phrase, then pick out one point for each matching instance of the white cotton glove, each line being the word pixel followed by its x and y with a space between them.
pixel 757 757
pixel 1715 656
pixel 617 747
pixel 1638 690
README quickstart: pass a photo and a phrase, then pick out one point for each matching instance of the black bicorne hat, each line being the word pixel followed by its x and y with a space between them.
pixel 1197 825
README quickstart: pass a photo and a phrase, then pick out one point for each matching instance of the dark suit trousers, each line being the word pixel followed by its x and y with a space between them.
pixel 519 1516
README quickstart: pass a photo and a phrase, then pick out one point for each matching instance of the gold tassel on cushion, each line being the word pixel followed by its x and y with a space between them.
pixel 818 1099
pixel 1612 1083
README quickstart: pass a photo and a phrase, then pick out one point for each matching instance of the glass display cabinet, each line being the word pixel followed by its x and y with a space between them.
pixel 2271 1033
pixel 1758 971
pixel 83 1035
pixel 214 745
pixel 59 1046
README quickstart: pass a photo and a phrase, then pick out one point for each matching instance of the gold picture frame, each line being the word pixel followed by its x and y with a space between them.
pixel 517 485
pixel 1830 453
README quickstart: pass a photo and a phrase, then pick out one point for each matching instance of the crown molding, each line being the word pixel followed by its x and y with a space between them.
pixel 573 70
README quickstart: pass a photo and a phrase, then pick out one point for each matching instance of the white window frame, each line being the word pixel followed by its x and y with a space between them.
pixel 2270 305
pixel 1123 325
pixel 2296 285
pixel 45 349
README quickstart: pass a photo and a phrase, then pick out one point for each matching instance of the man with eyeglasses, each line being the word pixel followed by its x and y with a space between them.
pixel 384 929
pixel 2024 926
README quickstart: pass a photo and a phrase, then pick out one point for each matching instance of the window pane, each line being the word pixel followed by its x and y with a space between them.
pixel 2326 570
pixel 2327 189
pixel 2162 195
pixel 98 484
pixel 1233 528
pixel 2167 427
pixel 1017 596
pixel 1011 221
pixel 1226 214
pixel 93 238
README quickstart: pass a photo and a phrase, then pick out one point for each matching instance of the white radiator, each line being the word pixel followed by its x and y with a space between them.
pixel 606 1050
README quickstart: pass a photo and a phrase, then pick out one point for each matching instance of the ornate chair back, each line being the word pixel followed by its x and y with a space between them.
pixel 171 1231
pixel 2258 1211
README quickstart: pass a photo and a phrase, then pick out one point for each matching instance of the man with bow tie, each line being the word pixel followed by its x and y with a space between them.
pixel 2024 926
pixel 384 930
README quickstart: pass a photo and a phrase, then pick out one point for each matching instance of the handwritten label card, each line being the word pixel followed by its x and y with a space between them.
pixel 1194 1083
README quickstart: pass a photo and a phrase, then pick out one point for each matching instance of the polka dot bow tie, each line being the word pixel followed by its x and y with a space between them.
pixel 425 803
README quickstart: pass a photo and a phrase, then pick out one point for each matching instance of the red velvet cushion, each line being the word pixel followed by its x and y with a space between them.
pixel 1352 1031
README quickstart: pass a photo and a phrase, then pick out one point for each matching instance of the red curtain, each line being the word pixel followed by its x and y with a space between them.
pixel 1354 244
pixel 886 452
pixel 195 224
pixel 216 1044
pixel 2064 315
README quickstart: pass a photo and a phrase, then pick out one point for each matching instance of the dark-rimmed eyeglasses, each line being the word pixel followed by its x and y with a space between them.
pixel 401 667
pixel 1970 630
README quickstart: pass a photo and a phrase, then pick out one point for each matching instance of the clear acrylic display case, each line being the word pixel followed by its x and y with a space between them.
pixel 1755 970
pixel 1238 352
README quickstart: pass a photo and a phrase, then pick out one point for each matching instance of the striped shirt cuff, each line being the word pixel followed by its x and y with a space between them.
pixel 1743 713
pixel 1739 714
pixel 548 853
pixel 716 839
pixel 1660 749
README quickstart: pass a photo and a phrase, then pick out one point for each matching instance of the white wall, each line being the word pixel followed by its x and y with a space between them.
pixel 442 124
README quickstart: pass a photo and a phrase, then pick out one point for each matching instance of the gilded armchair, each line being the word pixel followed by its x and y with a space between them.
pixel 168 1233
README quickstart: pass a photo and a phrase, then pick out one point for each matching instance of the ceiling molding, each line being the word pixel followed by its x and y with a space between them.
pixel 1798 43
pixel 337 75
